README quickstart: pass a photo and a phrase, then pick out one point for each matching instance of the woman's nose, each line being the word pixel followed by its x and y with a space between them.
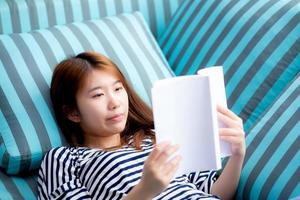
pixel 113 102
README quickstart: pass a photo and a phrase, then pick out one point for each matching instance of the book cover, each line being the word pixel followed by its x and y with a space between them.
pixel 184 110
pixel 216 76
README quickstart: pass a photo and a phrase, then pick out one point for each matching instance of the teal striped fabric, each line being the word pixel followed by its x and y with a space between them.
pixel 272 163
pixel 28 128
pixel 257 42
pixel 18 187
pixel 18 16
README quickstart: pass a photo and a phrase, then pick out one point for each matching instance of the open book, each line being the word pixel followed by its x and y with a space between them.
pixel 184 110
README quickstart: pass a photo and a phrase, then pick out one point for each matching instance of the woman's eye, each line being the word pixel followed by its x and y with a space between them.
pixel 97 95
pixel 118 88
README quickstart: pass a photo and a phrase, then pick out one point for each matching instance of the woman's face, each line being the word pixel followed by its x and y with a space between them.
pixel 102 107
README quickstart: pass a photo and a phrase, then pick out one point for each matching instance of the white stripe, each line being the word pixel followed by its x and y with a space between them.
pixel 76 10
pixel 59 12
pixel 93 8
pixel 23 15
pixel 5 18
pixel 42 14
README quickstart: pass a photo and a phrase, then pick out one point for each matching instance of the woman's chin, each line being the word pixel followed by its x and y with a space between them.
pixel 117 128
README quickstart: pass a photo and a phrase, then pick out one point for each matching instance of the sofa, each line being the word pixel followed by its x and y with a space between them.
pixel 256 41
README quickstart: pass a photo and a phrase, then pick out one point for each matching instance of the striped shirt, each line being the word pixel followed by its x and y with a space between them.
pixel 85 173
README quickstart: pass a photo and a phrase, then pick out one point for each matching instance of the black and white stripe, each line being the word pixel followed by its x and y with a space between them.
pixel 69 172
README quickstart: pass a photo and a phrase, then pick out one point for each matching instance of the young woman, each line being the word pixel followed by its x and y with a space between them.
pixel 113 154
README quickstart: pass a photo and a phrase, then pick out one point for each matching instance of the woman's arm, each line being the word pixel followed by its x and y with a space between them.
pixel 57 178
pixel 136 193
pixel 226 184
pixel 158 171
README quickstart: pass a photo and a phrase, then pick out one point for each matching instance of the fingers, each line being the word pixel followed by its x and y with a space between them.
pixel 234 132
pixel 236 137
pixel 232 139
pixel 160 168
pixel 225 111
pixel 229 122
pixel 166 152
pixel 172 166
pixel 161 163
pixel 231 132
pixel 157 150
pixel 162 153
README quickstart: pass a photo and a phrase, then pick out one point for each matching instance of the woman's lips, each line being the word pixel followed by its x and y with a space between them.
pixel 116 118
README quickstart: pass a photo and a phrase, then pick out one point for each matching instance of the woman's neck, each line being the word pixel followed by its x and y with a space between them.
pixel 101 142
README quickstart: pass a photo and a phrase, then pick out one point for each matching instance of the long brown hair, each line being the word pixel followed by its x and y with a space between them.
pixel 69 76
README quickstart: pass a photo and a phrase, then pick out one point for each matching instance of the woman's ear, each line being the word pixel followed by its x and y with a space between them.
pixel 71 113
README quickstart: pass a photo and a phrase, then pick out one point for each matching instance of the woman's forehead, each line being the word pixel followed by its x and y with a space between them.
pixel 101 78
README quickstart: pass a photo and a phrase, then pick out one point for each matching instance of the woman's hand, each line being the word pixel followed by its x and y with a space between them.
pixel 234 132
pixel 158 170
pixel 226 184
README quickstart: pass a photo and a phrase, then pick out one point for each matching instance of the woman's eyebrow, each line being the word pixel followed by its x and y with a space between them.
pixel 100 87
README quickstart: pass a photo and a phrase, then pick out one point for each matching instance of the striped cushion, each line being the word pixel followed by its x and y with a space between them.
pixel 18 16
pixel 257 42
pixel 272 164
pixel 27 123
pixel 18 187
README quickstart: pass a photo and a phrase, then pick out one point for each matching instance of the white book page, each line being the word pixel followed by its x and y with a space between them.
pixel 185 114
pixel 218 87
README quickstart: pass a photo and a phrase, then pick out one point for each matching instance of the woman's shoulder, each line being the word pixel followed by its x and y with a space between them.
pixel 63 152
pixel 67 153
pixel 62 149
